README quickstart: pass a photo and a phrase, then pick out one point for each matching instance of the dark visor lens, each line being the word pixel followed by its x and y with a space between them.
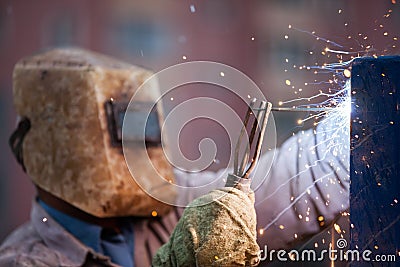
pixel 135 119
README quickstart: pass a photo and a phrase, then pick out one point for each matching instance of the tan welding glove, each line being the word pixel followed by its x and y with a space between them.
pixel 217 229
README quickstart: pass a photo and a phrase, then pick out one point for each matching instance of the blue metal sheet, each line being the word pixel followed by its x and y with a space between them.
pixel 375 157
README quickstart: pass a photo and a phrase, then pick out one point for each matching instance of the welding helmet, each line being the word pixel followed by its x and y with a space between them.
pixel 72 103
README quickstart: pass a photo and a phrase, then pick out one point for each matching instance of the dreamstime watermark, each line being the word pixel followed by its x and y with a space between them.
pixel 338 253
pixel 150 96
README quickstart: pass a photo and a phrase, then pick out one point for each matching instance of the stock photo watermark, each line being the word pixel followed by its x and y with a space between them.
pixel 339 253
pixel 152 93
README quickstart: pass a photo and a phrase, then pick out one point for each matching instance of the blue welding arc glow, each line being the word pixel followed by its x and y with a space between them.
pixel 347 108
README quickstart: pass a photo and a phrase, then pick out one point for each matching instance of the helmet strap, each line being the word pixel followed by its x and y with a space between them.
pixel 17 138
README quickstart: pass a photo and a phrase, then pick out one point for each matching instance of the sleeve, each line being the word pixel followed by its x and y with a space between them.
pixel 307 187
pixel 300 188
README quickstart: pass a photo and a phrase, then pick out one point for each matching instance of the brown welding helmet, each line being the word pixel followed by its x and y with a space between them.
pixel 74 102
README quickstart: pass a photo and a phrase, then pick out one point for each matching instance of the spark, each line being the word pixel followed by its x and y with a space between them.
pixel 333 247
pixel 342 115
pixel 347 73
pixel 294 202
pixel 337 107
pixel 337 228
pixel 292 256
pixel 338 104
pixel 327 49
pixel 377 235
pixel 319 38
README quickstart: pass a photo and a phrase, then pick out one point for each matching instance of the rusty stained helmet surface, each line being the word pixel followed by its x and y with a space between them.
pixel 68 150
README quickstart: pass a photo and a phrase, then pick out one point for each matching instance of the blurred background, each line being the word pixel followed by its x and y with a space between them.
pixel 272 42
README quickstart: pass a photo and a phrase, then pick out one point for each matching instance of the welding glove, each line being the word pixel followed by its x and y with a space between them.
pixel 217 229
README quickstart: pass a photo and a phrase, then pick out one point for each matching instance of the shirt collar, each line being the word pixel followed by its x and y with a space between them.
pixel 57 238
pixel 88 234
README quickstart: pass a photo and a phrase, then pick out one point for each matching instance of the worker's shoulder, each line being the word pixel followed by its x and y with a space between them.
pixel 25 247
pixel 23 233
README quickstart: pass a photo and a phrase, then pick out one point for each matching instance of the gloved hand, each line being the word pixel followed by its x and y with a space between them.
pixel 217 229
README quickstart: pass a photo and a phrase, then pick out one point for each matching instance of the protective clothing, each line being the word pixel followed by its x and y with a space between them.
pixel 43 242
pixel 217 229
